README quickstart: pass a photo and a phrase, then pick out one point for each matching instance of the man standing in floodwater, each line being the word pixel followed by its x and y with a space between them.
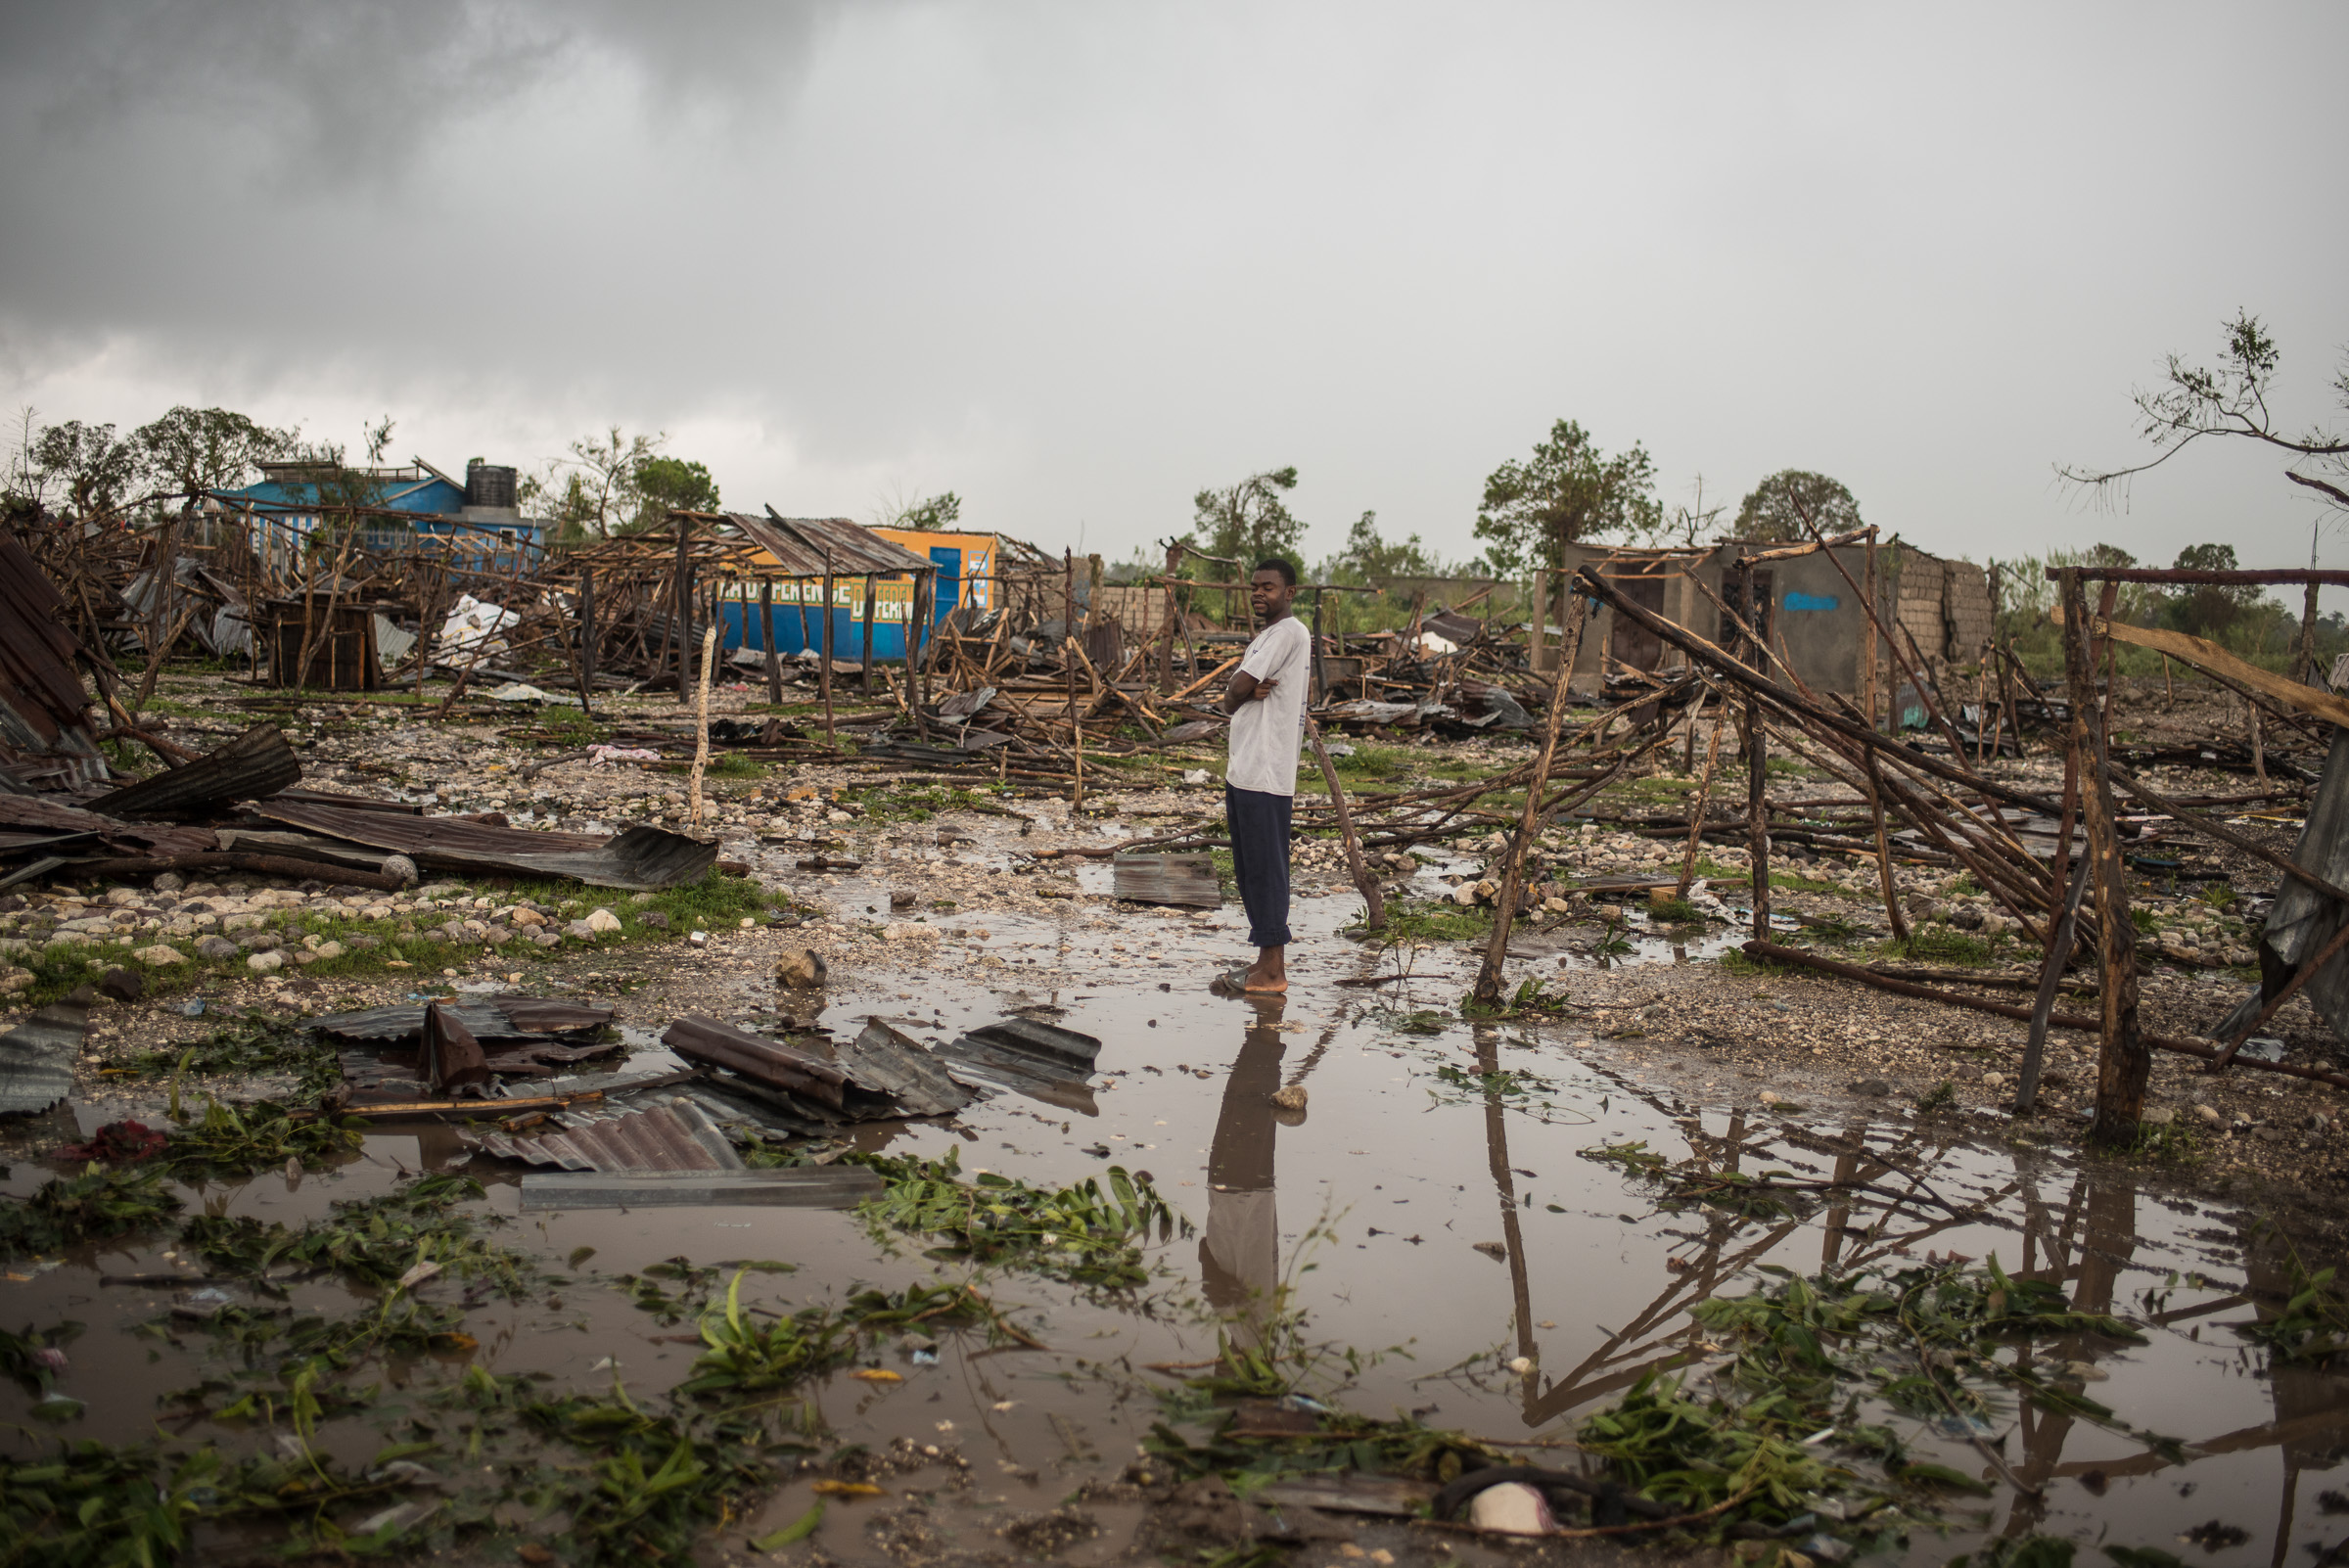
pixel 1266 704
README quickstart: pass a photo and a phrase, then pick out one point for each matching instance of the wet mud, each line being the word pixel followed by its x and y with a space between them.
pixel 1428 1203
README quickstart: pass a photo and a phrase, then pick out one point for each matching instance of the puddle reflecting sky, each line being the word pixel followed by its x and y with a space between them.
pixel 1434 1185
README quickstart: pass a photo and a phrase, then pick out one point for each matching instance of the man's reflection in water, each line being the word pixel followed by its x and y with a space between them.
pixel 1239 1255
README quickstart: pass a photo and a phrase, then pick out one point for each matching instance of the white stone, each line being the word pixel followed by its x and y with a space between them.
pixel 266 963
pixel 1513 1508
pixel 331 949
pixel 160 954
pixel 602 920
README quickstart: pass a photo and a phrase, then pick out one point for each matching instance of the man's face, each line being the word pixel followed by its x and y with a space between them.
pixel 1270 595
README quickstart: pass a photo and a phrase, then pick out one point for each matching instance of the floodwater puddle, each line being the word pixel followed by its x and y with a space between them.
pixel 1431 1201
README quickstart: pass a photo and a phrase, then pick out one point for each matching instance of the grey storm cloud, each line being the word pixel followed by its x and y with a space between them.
pixel 1078 261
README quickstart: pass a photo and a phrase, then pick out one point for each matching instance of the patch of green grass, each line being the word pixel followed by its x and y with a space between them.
pixel 1673 912
pixel 99 1204
pixel 2173 1144
pixel 1939 1097
pixel 254 1044
pixel 911 802
pixel 1735 961
pixel 1428 920
pixel 1796 882
pixel 734 764
pixel 2312 1327
pixel 715 902
pixel 1084 1235
pixel 369 1241
pixel 1941 945
pixel 236 1140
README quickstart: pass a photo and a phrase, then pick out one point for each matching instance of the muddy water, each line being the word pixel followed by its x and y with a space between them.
pixel 1429 1202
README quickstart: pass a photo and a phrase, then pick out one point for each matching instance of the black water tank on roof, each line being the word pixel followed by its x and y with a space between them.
pixel 490 484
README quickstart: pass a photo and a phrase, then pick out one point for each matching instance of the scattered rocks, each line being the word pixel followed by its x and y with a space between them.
pixel 215 948
pixel 160 953
pixel 1875 1089
pixel 653 920
pixel 266 963
pixel 802 969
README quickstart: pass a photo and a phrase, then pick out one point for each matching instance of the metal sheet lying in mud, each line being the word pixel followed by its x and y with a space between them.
pixel 36 1058
pixel 674 1136
pixel 880 1075
pixel 499 1018
pixel 808 1187
pixel 255 763
pixel 643 859
pixel 1039 1060
pixel 1184 881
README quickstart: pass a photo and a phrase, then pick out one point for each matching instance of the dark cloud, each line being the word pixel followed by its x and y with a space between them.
pixel 1076 262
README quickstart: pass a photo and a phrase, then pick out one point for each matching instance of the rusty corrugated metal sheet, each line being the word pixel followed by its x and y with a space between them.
pixel 36 812
pixel 36 1057
pixel 44 733
pixel 671 1136
pixel 643 859
pixel 255 763
pixel 803 544
pixel 891 1061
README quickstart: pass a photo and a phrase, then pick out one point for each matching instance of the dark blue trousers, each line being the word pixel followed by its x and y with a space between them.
pixel 1260 862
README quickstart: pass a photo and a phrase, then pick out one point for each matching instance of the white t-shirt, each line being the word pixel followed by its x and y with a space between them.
pixel 1264 736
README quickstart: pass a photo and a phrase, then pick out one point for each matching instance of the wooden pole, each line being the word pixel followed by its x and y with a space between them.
pixel 2304 659
pixel 1374 902
pixel 2050 980
pixel 1487 993
pixel 701 723
pixel 1868 668
pixel 681 612
pixel 2124 1062
pixel 1068 629
pixel 917 634
pixel 823 670
pixel 1704 795
pixel 870 596
pixel 767 640
pixel 587 642
pixel 1757 776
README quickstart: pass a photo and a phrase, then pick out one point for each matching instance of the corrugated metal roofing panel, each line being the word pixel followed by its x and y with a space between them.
pixel 673 1136
pixel 808 1188
pixel 42 704
pixel 805 545
pixel 887 1059
pixel 36 1058
pixel 643 859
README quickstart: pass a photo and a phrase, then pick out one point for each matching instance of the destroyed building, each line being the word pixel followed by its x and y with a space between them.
pixel 1810 605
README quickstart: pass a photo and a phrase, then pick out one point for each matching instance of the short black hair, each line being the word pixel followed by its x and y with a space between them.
pixel 1274 563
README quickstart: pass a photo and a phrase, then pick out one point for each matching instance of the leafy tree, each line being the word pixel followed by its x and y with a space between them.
pixel 1775 508
pixel 1569 491
pixel 1368 557
pixel 2208 609
pixel 96 472
pixel 2192 402
pixel 661 485
pixel 593 488
pixel 936 514
pixel 1249 521
pixel 191 450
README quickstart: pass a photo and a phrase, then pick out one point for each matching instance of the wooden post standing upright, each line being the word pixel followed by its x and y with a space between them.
pixel 823 674
pixel 1757 768
pixel 767 642
pixel 681 616
pixel 586 642
pixel 2124 1061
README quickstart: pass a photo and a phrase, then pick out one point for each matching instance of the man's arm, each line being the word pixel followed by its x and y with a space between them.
pixel 1246 688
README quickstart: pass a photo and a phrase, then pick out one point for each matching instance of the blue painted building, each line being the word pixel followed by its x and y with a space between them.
pixel 473 520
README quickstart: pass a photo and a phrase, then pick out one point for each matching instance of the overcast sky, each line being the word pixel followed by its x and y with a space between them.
pixel 1076 262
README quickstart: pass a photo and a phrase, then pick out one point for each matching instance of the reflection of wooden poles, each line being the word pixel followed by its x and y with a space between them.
pixel 1496 1160
pixel 1497 946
